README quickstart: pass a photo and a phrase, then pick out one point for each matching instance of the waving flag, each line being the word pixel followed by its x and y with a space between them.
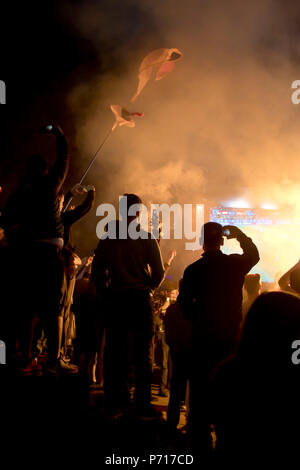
pixel 161 61
pixel 123 116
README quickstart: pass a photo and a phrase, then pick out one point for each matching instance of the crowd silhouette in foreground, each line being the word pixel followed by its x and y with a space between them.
pixel 225 358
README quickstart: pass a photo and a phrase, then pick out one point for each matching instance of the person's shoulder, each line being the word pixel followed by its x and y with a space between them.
pixel 45 182
pixel 147 235
pixel 234 257
pixel 148 239
pixel 191 268
pixel 19 195
pixel 111 231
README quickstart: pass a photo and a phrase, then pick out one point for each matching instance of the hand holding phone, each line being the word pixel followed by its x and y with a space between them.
pixel 231 231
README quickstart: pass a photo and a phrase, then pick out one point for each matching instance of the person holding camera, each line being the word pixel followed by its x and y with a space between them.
pixel 211 297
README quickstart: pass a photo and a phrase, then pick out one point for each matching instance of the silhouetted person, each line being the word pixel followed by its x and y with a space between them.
pixel 160 347
pixel 34 231
pixel 256 393
pixel 252 287
pixel 211 297
pixel 290 281
pixel 178 331
pixel 69 218
pixel 125 271
pixel 89 330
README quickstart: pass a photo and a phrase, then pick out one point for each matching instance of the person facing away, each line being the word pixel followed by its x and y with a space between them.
pixel 178 332
pixel 211 291
pixel 125 271
pixel 32 212
pixel 290 281
pixel 256 391
pixel 211 297
pixel 34 231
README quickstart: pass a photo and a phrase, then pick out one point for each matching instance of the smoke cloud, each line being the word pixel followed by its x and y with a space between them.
pixel 221 126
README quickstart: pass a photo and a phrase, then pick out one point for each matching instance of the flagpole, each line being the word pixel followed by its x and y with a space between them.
pixel 91 163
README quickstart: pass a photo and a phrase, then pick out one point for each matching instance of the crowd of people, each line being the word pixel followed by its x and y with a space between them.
pixel 106 316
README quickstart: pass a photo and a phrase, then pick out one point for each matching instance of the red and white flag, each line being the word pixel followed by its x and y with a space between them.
pixel 161 61
pixel 123 116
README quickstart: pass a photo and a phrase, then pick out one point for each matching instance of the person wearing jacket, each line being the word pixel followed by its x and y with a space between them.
pixel 34 231
pixel 211 297
pixel 125 272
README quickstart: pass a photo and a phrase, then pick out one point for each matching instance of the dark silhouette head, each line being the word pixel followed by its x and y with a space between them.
pixel 271 326
pixel 36 167
pixel 126 201
pixel 252 284
pixel 295 280
pixel 212 236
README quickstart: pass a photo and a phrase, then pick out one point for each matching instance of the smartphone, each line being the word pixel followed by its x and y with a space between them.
pixel 49 128
pixel 226 232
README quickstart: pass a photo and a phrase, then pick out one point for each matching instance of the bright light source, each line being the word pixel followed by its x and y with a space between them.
pixel 238 203
pixel 268 205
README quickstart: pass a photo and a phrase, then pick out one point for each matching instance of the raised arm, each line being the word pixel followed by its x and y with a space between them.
pixel 284 281
pixel 59 170
pixel 250 256
pixel 80 211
